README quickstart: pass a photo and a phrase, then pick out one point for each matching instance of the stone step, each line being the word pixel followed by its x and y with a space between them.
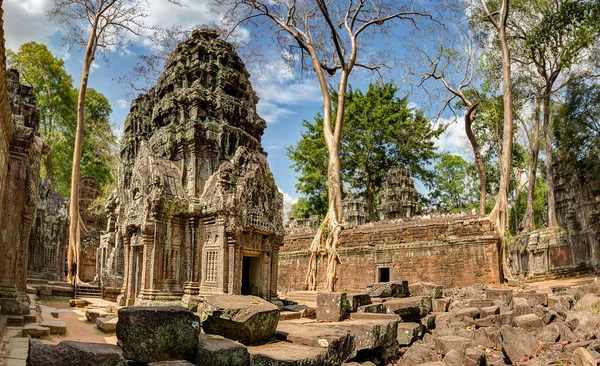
pixel 35 331
pixel 31 317
pixel 57 326
pixel 14 320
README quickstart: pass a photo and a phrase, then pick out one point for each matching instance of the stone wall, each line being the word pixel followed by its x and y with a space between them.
pixel 6 126
pixel 49 238
pixel 452 251
pixel 20 195
pixel 573 247
pixel 93 224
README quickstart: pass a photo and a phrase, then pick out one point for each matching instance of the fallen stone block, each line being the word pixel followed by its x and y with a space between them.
pixel 285 353
pixel 426 289
pixel 374 316
pixel 57 326
pixel 148 334
pixel 446 343
pixel 410 308
pixel 489 310
pixel 485 322
pixel 418 354
pixel 389 289
pixel 246 319
pixel 533 298
pixel 440 305
pixel 479 303
pixel 289 315
pixel 70 353
pixel 171 363
pixel 354 301
pixel 529 322
pixel 474 357
pixel 467 312
pixel 517 343
pixel 408 333
pixel 331 306
pixel 373 308
pixel 107 324
pixel 77 303
pixel 507 318
pixel 504 294
pixel 216 350
pixel 35 331
pixel 45 292
pixel 582 357
pixel 93 314
pixel 306 311
pixel 521 306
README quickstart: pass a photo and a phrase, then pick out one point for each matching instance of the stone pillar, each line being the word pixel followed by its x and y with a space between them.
pixel 232 267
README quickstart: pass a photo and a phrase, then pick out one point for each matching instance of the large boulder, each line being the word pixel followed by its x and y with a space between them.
pixel 71 353
pixel 247 319
pixel 148 334
pixel 517 343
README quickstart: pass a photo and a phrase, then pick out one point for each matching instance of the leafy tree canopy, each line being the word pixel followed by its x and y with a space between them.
pixel 380 131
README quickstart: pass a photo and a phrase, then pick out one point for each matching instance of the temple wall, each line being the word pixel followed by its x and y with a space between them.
pixel 452 251
pixel 6 126
pixel 49 238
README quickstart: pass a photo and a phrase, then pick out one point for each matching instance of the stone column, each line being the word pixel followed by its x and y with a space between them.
pixel 232 267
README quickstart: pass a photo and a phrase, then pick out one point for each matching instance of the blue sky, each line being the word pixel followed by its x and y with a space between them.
pixel 285 98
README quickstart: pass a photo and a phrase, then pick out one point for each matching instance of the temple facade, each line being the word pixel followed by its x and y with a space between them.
pixel 197 210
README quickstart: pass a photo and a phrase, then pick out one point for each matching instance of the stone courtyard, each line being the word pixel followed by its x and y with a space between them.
pixel 191 264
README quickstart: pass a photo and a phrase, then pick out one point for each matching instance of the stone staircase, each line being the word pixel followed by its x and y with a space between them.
pixel 88 291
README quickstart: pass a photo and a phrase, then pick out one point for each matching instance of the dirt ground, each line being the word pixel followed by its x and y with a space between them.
pixel 78 328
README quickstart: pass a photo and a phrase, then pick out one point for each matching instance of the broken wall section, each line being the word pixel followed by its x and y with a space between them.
pixel 453 251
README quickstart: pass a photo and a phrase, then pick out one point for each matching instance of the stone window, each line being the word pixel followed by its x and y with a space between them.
pixel 383 274
pixel 211 266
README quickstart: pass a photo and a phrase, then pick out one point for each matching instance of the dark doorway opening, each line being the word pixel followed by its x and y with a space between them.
pixel 383 274
pixel 251 276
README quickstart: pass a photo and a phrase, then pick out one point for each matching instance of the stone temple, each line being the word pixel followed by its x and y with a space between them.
pixel 197 211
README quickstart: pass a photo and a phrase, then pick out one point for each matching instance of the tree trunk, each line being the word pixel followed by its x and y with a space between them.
pixel 528 222
pixel 552 222
pixel 74 244
pixel 499 214
pixel 469 118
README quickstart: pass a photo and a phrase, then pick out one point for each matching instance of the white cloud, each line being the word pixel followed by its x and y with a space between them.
pixel 122 103
pixel 288 201
pixel 454 139
pixel 94 66
pixel 26 20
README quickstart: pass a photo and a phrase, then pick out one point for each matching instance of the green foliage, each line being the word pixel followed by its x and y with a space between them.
pixel 99 158
pixel 454 188
pixel 517 211
pixel 577 130
pixel 53 89
pixel 57 101
pixel 300 209
pixel 380 131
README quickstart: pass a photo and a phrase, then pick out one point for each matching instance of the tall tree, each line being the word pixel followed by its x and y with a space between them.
pixel 451 190
pixel 498 18
pixel 381 131
pixel 461 64
pixel 95 24
pixel 53 90
pixel 552 36
pixel 329 35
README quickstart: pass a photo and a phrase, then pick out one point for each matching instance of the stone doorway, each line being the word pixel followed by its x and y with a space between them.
pixel 383 274
pixel 251 273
